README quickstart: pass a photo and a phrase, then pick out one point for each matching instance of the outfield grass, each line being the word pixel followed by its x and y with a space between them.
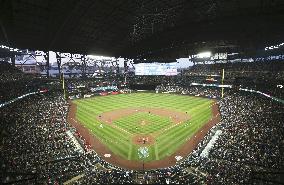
pixel 119 138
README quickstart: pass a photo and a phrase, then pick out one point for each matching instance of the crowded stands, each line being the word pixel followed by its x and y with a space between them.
pixel 37 147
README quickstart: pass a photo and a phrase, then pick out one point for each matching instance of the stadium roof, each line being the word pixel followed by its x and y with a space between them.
pixel 141 28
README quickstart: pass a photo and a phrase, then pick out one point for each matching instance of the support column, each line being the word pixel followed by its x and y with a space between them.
pixel 13 59
pixel 47 63
pixel 117 67
pixel 58 59
pixel 84 66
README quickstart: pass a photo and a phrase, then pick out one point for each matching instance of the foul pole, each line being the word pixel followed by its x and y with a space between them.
pixel 223 75
pixel 63 85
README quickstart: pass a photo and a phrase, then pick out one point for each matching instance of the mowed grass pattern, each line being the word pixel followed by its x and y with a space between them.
pixel 169 137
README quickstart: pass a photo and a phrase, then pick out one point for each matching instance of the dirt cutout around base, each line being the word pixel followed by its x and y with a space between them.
pixel 116 160
pixel 175 116
pixel 143 140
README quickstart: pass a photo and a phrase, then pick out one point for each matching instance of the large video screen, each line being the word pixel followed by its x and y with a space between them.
pixel 167 69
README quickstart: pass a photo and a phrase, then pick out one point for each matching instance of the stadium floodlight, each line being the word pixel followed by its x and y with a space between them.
pixel 206 54
pixel 96 57
pixel 273 47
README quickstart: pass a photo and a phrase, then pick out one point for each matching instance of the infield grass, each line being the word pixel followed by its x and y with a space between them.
pixel 168 136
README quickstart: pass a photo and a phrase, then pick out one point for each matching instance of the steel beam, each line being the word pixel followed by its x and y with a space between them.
pixel 13 59
pixel 58 60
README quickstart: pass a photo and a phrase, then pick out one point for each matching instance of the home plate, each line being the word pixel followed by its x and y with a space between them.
pixel 107 155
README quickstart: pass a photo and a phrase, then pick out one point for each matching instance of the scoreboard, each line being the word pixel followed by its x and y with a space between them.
pixel 166 69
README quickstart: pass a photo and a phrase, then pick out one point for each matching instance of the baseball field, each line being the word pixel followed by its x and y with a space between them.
pixel 143 126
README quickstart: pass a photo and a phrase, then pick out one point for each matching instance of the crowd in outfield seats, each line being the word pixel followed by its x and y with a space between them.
pixel 37 149
pixel 272 70
pixel 211 92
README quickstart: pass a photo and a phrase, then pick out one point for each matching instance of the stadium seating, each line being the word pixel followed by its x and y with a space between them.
pixel 36 149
